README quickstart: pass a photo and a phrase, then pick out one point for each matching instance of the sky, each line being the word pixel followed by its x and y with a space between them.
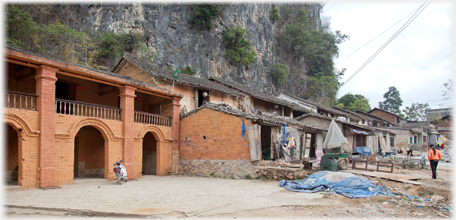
pixel 418 61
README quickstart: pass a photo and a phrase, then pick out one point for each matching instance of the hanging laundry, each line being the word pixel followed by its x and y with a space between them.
pixel 293 142
pixel 243 130
pixel 286 153
pixel 284 133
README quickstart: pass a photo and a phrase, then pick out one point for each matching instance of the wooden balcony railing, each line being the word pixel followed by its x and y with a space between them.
pixel 69 107
pixel 154 119
pixel 17 100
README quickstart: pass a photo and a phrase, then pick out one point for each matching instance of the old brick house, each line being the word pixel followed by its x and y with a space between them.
pixel 199 94
pixel 64 121
pixel 212 141
pixel 392 118
pixel 194 90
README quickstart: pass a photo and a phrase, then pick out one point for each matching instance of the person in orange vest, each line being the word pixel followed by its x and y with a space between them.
pixel 434 156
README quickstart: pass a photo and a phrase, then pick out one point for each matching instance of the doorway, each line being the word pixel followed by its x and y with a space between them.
pixel 89 153
pixel 149 161
pixel 12 156
pixel 266 142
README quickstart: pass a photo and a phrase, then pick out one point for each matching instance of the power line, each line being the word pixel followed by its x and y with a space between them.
pixel 387 43
pixel 378 35
pixel 329 7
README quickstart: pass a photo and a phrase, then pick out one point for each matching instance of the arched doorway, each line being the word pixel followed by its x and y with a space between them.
pixel 12 155
pixel 149 162
pixel 89 153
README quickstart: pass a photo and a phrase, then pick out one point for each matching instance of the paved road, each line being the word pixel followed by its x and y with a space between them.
pixel 155 196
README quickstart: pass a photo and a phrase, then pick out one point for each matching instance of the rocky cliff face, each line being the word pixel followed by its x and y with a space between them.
pixel 166 30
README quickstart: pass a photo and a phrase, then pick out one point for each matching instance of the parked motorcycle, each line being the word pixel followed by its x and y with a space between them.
pixel 121 172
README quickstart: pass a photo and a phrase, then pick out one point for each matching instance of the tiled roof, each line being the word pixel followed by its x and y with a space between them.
pixel 353 113
pixel 257 94
pixel 313 114
pixel 372 117
pixel 131 80
pixel 320 106
pixel 72 64
pixel 384 111
pixel 259 116
pixel 166 74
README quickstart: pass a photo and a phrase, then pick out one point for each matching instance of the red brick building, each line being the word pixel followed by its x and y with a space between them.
pixel 64 121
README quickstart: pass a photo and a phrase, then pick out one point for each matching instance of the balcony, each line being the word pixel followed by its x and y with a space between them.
pixel 17 100
pixel 68 107
pixel 154 119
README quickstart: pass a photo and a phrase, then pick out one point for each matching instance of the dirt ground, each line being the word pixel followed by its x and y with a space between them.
pixel 422 206
pixel 433 199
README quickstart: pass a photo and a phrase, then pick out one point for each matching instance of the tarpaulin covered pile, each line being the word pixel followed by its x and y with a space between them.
pixel 351 187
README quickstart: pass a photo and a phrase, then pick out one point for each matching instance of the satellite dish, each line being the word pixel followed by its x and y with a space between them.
pixel 252 109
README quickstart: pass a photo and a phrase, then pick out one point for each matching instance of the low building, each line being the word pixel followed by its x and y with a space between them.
pixel 433 114
pixel 213 141
pixel 392 118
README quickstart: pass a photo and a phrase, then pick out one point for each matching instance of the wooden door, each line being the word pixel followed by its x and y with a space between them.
pixel 253 133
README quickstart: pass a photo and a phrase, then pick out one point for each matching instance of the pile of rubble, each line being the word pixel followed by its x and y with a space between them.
pixel 446 154
pixel 424 207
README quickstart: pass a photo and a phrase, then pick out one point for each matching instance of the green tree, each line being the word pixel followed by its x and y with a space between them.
pixel 202 16
pixel 393 101
pixel 275 15
pixel 347 99
pixel 21 30
pixel 416 112
pixel 280 72
pixel 238 48
pixel 318 48
pixel 354 102
pixel 188 71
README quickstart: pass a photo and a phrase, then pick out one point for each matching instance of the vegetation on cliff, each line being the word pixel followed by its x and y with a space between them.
pixel 318 49
pixel 303 57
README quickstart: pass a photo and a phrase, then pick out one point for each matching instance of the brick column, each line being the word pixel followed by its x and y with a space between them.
pixel 176 154
pixel 45 89
pixel 127 104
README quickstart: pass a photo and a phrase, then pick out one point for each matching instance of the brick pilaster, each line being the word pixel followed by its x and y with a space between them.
pixel 176 154
pixel 127 95
pixel 45 89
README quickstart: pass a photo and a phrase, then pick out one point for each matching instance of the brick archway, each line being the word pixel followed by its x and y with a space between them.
pixel 163 150
pixel 106 133
pixel 11 155
pixel 26 154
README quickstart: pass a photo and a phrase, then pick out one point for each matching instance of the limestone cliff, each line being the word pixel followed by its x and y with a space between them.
pixel 166 30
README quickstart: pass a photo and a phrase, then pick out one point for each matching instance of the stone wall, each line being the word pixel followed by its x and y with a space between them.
pixel 236 169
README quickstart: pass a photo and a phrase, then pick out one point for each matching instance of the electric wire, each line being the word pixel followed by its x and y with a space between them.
pixel 388 42
pixel 329 7
pixel 377 36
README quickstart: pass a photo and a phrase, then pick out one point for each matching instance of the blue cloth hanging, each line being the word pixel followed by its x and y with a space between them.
pixel 243 130
pixel 284 133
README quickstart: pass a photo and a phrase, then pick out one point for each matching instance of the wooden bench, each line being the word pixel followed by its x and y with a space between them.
pixel 378 163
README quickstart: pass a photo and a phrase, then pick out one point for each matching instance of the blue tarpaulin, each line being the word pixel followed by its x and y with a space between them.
pixel 360 132
pixel 351 187
pixel 362 150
